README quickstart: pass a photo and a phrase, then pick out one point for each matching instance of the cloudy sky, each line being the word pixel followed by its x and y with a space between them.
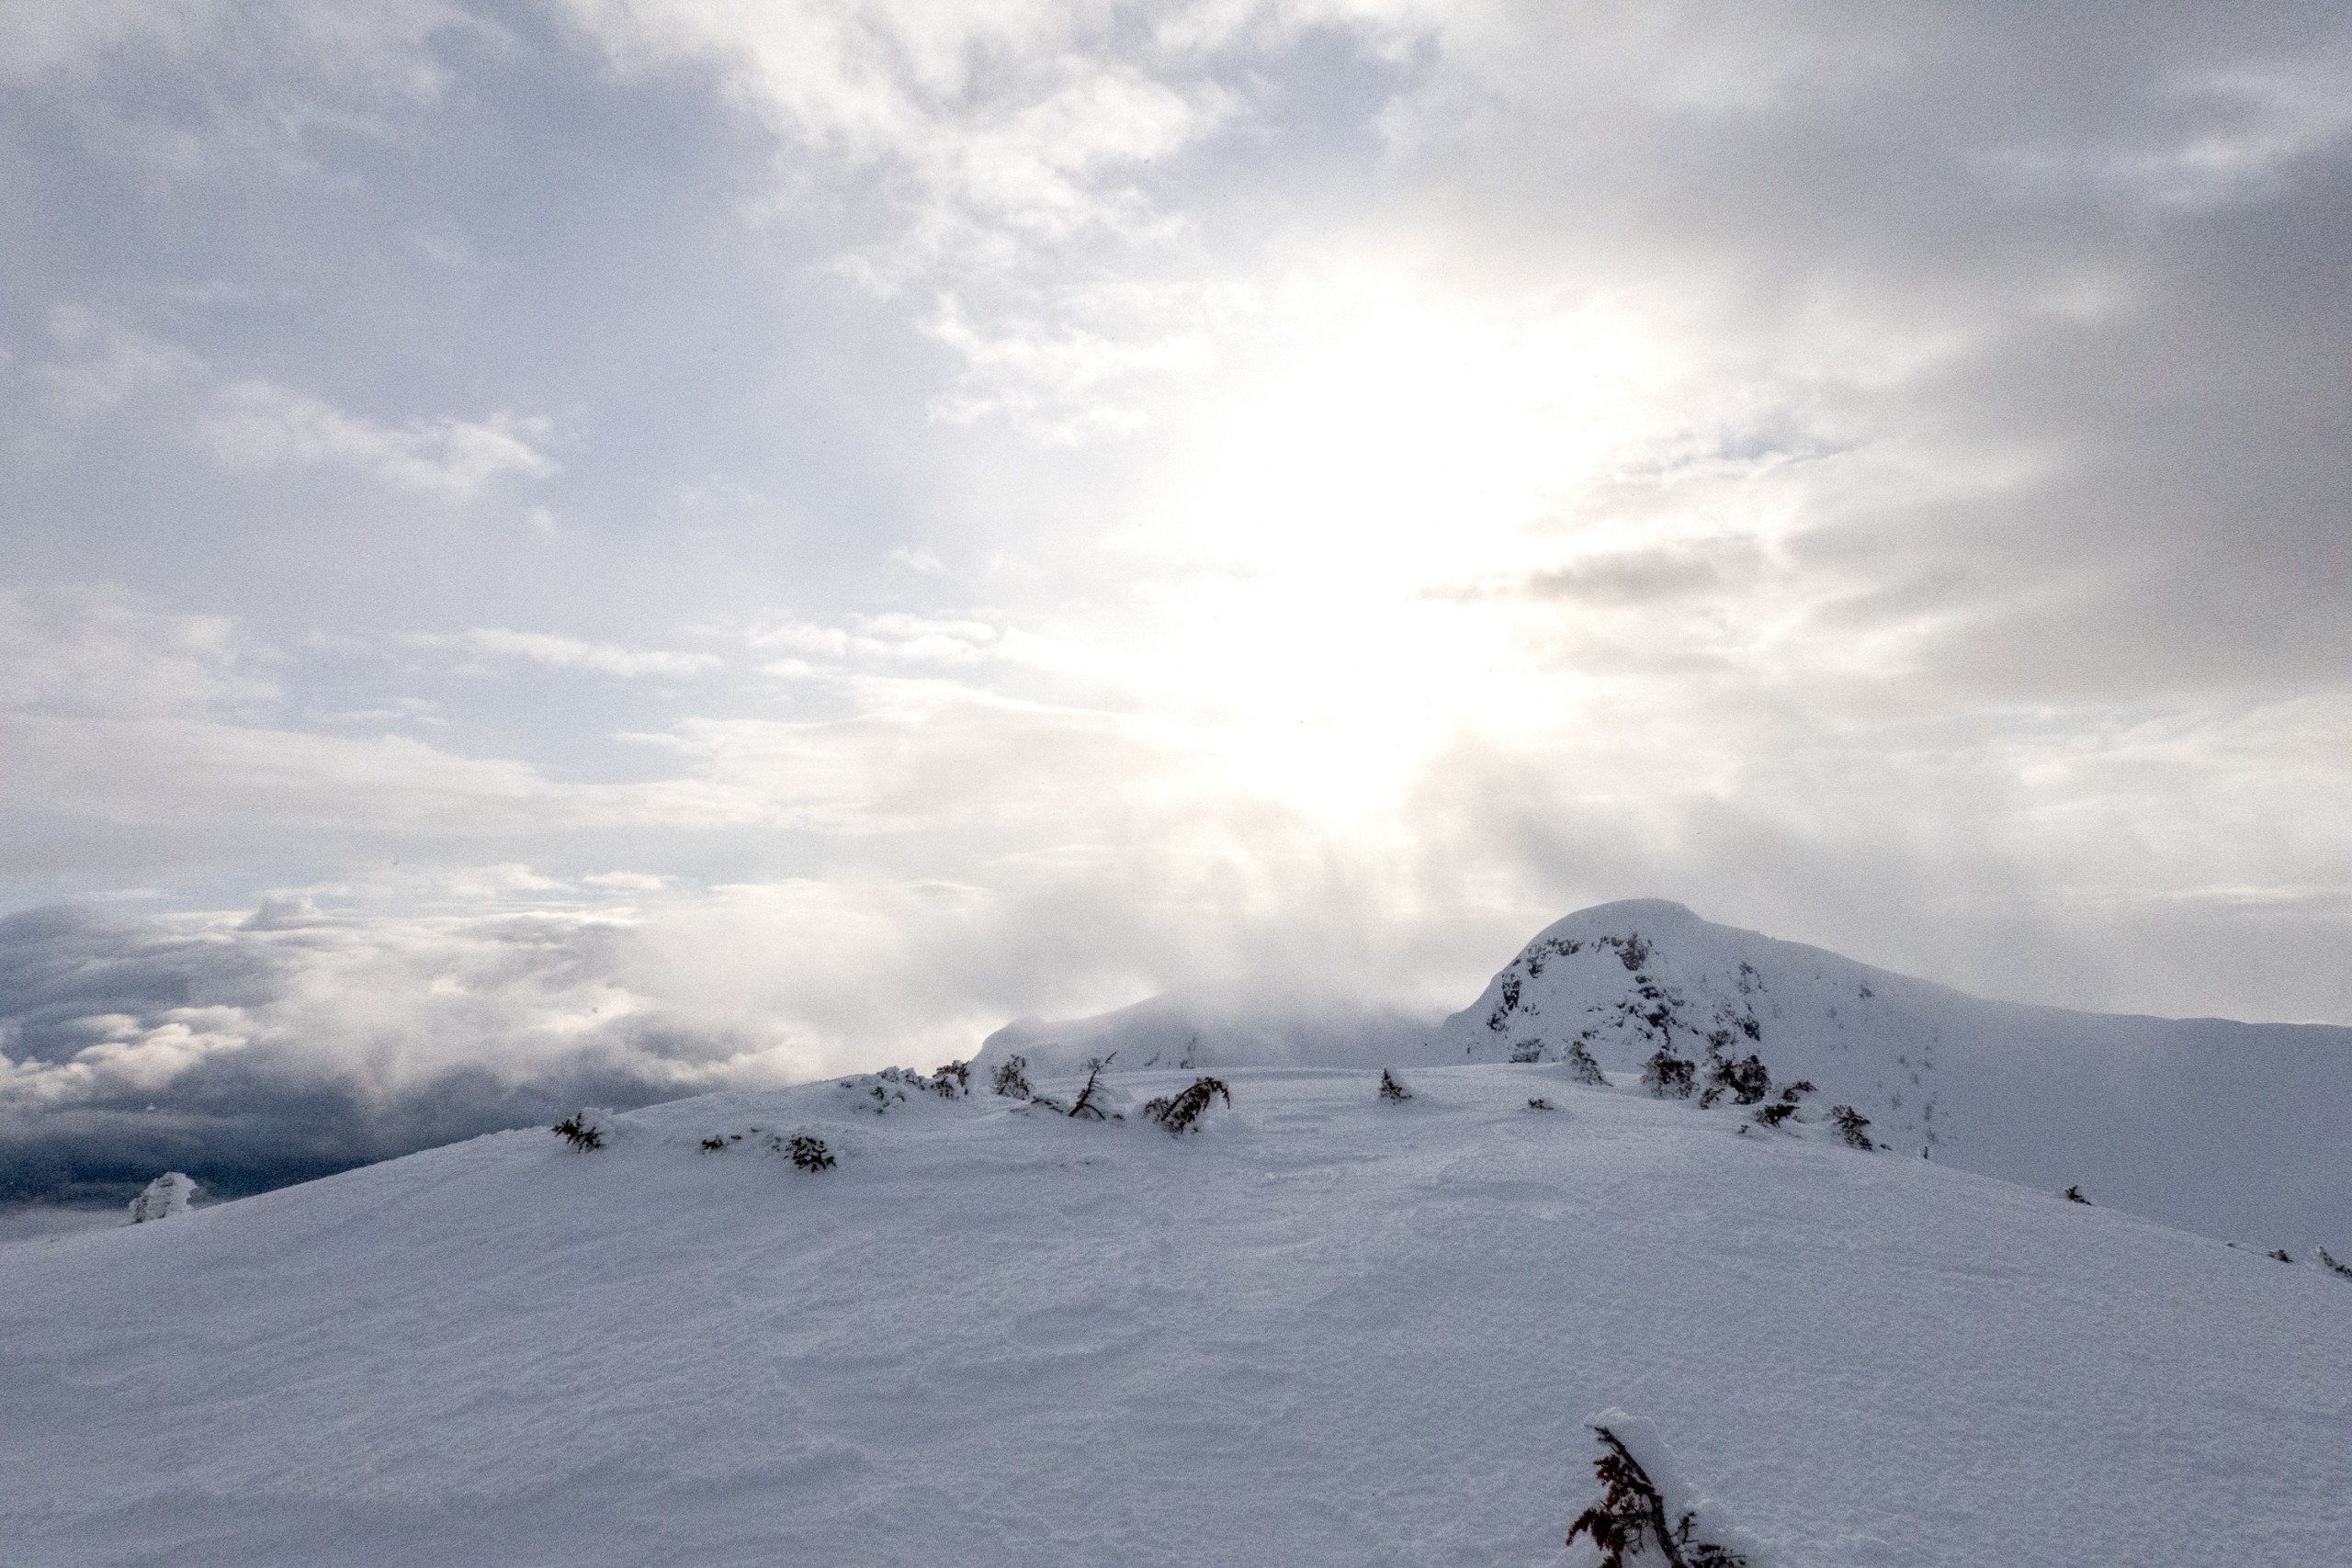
pixel 551 546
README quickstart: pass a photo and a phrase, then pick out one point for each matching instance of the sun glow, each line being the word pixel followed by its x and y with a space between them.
pixel 1342 542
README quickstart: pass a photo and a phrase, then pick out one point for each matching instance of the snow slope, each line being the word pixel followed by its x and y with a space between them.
pixel 2239 1130
pixel 1324 1330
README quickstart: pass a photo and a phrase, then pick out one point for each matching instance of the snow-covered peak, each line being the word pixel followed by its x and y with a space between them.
pixel 2231 1129
pixel 1630 979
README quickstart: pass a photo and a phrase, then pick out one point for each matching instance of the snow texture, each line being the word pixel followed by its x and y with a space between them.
pixel 1319 1331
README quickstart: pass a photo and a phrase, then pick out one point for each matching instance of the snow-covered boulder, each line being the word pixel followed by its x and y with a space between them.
pixel 173 1192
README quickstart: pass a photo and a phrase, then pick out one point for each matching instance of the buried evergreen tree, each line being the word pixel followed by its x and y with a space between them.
pixel 1780 1109
pixel 1746 1081
pixel 1012 1077
pixel 1580 1063
pixel 1630 1520
pixel 1392 1090
pixel 1667 1075
pixel 1183 1114
pixel 1850 1122
pixel 1084 1108
pixel 810 1153
pixel 583 1130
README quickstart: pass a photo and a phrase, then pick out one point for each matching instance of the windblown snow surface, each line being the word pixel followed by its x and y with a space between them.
pixel 1325 1329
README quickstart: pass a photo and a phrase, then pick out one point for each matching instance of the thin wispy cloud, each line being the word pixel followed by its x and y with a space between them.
pixel 572 653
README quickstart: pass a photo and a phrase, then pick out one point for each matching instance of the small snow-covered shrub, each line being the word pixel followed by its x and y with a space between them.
pixel 2332 1266
pixel 808 1152
pixel 583 1130
pixel 1631 1519
pixel 2281 1254
pixel 713 1145
pixel 173 1192
pixel 1085 1108
pixel 1780 1109
pixel 951 1082
pixel 1012 1078
pixel 880 1091
pixel 1747 1079
pixel 1850 1122
pixel 1668 1075
pixel 2074 1195
pixel 1580 1063
pixel 1182 1112
pixel 1540 1103
pixel 1392 1088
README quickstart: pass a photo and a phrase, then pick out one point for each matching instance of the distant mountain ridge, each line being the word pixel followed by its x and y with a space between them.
pixel 1166 1031
pixel 2239 1130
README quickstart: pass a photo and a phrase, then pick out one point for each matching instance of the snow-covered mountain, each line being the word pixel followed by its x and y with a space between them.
pixel 1326 1328
pixel 2239 1130
pixel 899 1319
pixel 1213 1034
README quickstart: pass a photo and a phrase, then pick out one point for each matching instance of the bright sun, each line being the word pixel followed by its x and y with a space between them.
pixel 1342 535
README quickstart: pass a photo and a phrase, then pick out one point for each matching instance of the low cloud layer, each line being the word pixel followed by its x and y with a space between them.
pixel 288 1048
